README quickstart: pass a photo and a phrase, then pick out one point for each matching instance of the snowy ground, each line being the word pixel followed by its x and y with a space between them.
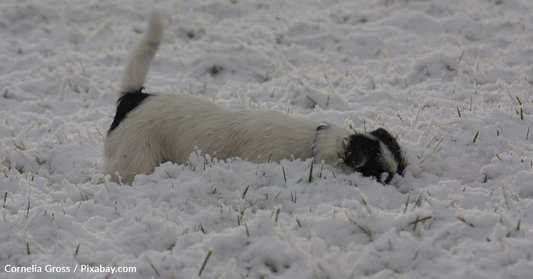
pixel 452 79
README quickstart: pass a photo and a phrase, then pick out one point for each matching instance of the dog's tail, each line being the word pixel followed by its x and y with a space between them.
pixel 141 55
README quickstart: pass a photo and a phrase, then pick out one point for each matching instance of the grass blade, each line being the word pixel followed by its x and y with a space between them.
pixel 205 262
pixel 245 191
pixel 277 215
pixel 464 221
pixel 461 57
pixel 28 210
pixel 416 221
pixel 311 172
pixel 407 203
pixel 77 249
pixel 153 266
pixel 284 176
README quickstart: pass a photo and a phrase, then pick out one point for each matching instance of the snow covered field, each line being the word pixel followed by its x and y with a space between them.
pixel 452 79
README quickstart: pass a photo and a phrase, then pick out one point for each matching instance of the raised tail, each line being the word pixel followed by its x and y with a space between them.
pixel 141 55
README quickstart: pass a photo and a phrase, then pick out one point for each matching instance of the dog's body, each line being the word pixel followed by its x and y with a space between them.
pixel 150 129
pixel 169 126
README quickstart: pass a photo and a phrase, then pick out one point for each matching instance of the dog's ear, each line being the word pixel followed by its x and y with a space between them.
pixel 386 138
pixel 354 154
pixel 393 145
pixel 344 143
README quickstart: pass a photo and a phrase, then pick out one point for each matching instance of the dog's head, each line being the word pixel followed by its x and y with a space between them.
pixel 376 154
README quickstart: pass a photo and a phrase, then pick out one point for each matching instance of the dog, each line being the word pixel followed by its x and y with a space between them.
pixel 152 128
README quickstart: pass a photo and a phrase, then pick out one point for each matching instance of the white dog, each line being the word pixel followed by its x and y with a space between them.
pixel 149 129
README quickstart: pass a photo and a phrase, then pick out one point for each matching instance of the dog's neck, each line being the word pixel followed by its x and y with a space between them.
pixel 314 148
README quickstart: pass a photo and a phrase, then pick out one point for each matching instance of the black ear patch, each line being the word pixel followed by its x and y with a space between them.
pixel 393 146
pixel 127 103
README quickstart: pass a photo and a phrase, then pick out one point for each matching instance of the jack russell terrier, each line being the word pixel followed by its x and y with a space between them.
pixel 152 128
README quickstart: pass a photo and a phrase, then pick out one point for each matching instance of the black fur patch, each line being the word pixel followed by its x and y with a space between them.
pixel 322 127
pixel 127 103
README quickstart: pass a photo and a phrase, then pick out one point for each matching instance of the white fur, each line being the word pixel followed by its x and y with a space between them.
pixel 169 126
pixel 387 159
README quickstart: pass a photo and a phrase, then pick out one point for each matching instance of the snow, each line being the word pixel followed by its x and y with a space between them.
pixel 452 79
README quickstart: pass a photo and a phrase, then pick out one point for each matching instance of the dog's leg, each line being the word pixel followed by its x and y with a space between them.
pixel 131 162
